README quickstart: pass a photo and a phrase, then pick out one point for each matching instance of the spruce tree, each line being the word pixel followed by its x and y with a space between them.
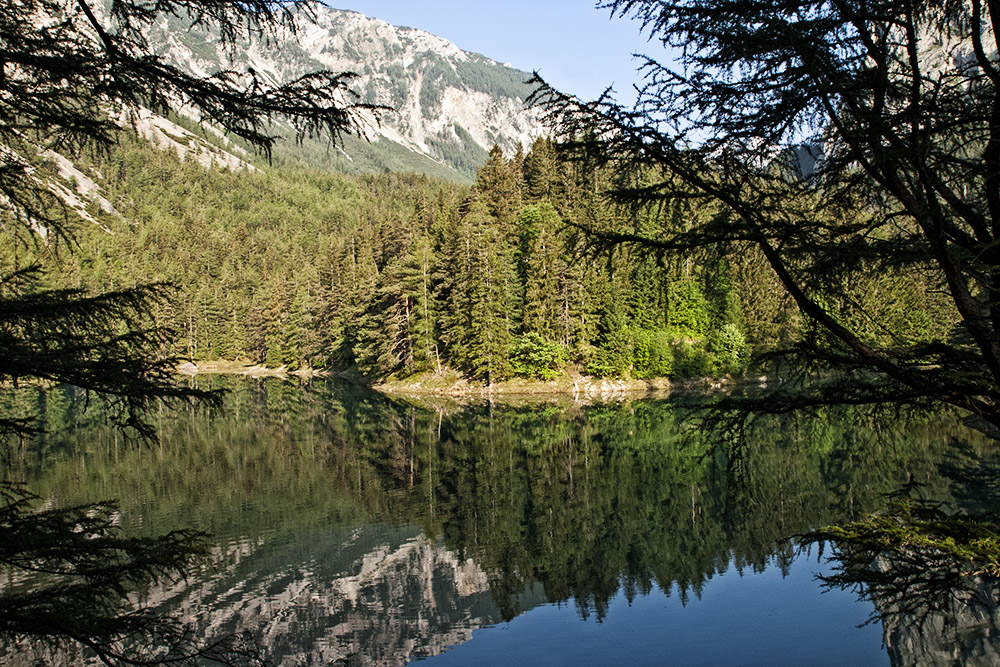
pixel 498 183
pixel 477 279
pixel 68 72
pixel 542 248
pixel 541 172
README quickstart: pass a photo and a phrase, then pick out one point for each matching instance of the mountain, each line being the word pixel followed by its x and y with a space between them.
pixel 449 106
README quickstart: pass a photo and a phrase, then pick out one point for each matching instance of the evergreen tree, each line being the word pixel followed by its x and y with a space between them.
pixel 478 274
pixel 541 172
pixel 421 261
pixel 613 357
pixel 544 271
pixel 840 140
pixel 498 184
pixel 66 74
pixel 398 330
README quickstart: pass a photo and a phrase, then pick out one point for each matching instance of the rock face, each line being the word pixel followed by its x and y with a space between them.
pixel 381 607
pixel 448 106
pixel 961 635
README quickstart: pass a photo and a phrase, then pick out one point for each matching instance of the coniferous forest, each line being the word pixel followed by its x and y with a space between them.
pixel 395 275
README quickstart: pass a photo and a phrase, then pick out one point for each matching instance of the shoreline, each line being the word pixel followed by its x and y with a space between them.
pixel 451 384
pixel 248 369
pixel 575 386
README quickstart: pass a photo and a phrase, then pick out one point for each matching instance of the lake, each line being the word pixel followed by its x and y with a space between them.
pixel 350 528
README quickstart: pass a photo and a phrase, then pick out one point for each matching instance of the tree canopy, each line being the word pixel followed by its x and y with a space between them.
pixel 401 275
pixel 847 143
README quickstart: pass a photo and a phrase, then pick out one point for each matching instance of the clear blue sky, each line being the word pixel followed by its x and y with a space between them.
pixel 575 47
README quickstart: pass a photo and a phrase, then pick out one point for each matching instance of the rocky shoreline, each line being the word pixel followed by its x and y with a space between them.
pixel 192 369
pixel 451 384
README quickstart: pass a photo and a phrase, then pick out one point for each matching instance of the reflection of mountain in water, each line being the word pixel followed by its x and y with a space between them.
pixel 966 631
pixel 371 596
pixel 936 609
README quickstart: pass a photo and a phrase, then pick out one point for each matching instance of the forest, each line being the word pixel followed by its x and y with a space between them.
pixel 523 274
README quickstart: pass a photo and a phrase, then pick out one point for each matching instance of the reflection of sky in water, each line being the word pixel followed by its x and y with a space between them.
pixel 753 619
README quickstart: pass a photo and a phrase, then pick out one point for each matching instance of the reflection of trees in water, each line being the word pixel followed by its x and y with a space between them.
pixel 930 567
pixel 933 608
pixel 69 580
pixel 626 496
pixel 974 481
pixel 578 501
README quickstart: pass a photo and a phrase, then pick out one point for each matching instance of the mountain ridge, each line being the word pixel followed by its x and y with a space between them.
pixel 448 106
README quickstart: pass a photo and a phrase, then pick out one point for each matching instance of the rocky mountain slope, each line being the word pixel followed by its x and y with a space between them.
pixel 448 106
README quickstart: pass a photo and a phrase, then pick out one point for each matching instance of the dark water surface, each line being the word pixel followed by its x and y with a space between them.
pixel 353 529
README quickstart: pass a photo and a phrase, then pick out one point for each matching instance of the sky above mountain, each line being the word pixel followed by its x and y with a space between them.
pixel 575 47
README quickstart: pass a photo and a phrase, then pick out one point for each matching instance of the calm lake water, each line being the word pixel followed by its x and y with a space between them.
pixel 353 529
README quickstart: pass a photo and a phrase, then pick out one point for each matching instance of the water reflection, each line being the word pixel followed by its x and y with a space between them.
pixel 354 528
pixel 374 593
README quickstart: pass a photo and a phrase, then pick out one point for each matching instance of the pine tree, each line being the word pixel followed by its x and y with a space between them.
pixel 839 140
pixel 541 172
pixel 498 184
pixel 613 357
pixel 66 74
pixel 66 77
pixel 397 332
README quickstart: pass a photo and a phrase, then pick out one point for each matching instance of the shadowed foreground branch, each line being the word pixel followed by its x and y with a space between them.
pixel 72 577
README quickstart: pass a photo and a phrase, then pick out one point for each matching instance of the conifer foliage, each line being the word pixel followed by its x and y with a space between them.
pixel 397 275
pixel 72 72
pixel 854 147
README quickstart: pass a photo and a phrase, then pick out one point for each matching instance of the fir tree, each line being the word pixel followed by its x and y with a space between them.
pixel 541 172
pixel 542 248
pixel 479 275
pixel 498 184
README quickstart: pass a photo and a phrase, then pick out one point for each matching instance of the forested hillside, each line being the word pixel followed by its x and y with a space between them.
pixel 396 275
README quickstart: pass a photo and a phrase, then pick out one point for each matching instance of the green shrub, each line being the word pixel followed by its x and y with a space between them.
pixel 729 347
pixel 692 360
pixel 531 356
pixel 600 365
pixel 653 354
